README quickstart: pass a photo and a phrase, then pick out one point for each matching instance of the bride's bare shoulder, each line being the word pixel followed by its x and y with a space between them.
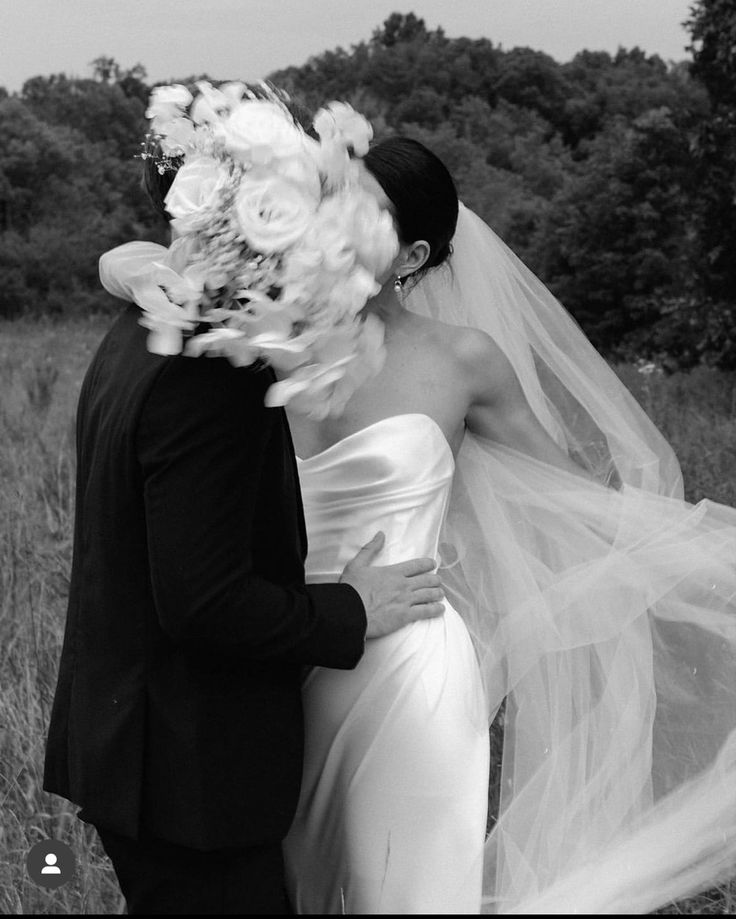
pixel 479 361
pixel 471 351
pixel 460 339
pixel 472 348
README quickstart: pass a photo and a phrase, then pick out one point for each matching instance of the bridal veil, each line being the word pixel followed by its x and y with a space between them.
pixel 603 614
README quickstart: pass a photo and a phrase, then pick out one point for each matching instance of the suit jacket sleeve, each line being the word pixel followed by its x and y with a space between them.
pixel 203 438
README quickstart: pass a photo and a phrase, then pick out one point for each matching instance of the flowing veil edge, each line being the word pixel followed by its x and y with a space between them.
pixel 603 615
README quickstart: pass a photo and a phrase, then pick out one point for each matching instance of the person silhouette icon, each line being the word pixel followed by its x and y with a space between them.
pixel 51 863
pixel 51 866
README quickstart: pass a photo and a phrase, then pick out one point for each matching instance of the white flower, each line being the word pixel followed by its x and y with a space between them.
pixel 302 172
pixel 177 136
pixel 327 235
pixel 340 120
pixel 213 104
pixel 282 352
pixel 233 92
pixel 335 165
pixel 350 293
pixel 226 342
pixel 209 105
pixel 195 191
pixel 341 361
pixel 302 278
pixel 272 213
pixel 279 246
pixel 333 269
pixel 371 231
pixel 258 131
pixel 263 316
pixel 167 102
pixel 367 229
pixel 167 111
pixel 369 356
pixel 170 306
pixel 308 389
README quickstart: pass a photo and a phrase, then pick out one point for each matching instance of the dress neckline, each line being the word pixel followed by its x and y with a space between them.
pixel 387 419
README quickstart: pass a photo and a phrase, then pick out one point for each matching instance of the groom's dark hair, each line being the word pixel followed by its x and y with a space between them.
pixel 156 184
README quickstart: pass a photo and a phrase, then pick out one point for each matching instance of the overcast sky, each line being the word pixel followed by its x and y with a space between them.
pixel 246 39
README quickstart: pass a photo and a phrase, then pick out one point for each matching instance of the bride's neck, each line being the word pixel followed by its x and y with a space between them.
pixel 387 307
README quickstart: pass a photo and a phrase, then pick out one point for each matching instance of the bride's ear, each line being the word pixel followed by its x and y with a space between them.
pixel 412 257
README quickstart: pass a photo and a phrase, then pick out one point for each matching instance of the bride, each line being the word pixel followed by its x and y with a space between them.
pixel 395 783
pixel 585 594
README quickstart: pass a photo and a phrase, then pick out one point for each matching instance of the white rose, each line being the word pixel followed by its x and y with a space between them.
pixel 335 165
pixel 328 236
pixel 167 102
pixel 212 104
pixel 178 135
pixel 301 261
pixel 365 228
pixel 301 274
pixel 373 233
pixel 272 213
pixel 202 111
pixel 258 131
pixel 301 171
pixel 340 120
pixel 233 92
pixel 194 191
pixel 350 293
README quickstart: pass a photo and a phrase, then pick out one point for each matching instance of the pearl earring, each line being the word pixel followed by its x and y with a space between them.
pixel 398 284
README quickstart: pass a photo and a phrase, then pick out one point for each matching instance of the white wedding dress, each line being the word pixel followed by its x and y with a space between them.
pixel 393 806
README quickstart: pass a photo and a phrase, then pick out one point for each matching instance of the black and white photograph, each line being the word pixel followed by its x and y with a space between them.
pixel 368 455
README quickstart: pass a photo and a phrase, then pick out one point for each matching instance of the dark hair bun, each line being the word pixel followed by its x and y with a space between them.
pixel 422 191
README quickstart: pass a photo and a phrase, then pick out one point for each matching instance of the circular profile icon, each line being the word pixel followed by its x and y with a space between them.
pixel 50 863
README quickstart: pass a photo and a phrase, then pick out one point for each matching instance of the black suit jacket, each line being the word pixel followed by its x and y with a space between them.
pixel 178 705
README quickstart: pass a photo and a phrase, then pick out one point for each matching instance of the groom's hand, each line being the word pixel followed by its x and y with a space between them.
pixel 394 595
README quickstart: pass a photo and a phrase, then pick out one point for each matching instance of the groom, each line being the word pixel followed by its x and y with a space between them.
pixel 177 722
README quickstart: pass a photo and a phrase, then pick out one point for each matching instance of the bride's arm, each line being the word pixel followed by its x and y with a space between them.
pixel 497 407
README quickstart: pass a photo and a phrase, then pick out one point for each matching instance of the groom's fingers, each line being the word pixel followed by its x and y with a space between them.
pixel 427 595
pixel 429 579
pixel 427 610
pixel 415 566
pixel 369 551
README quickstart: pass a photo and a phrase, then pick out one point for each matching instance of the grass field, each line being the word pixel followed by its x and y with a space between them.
pixel 41 369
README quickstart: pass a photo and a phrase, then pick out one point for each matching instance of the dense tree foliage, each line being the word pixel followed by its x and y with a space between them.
pixel 713 29
pixel 69 188
pixel 613 176
pixel 608 174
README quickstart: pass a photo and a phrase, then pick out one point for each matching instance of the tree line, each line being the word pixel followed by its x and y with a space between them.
pixel 612 176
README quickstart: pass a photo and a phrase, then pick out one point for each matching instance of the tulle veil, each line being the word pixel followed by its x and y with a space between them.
pixel 603 614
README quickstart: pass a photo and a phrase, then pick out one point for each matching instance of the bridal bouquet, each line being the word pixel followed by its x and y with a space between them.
pixel 277 247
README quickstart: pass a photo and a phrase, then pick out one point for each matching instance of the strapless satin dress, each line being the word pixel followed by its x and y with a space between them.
pixel 393 805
